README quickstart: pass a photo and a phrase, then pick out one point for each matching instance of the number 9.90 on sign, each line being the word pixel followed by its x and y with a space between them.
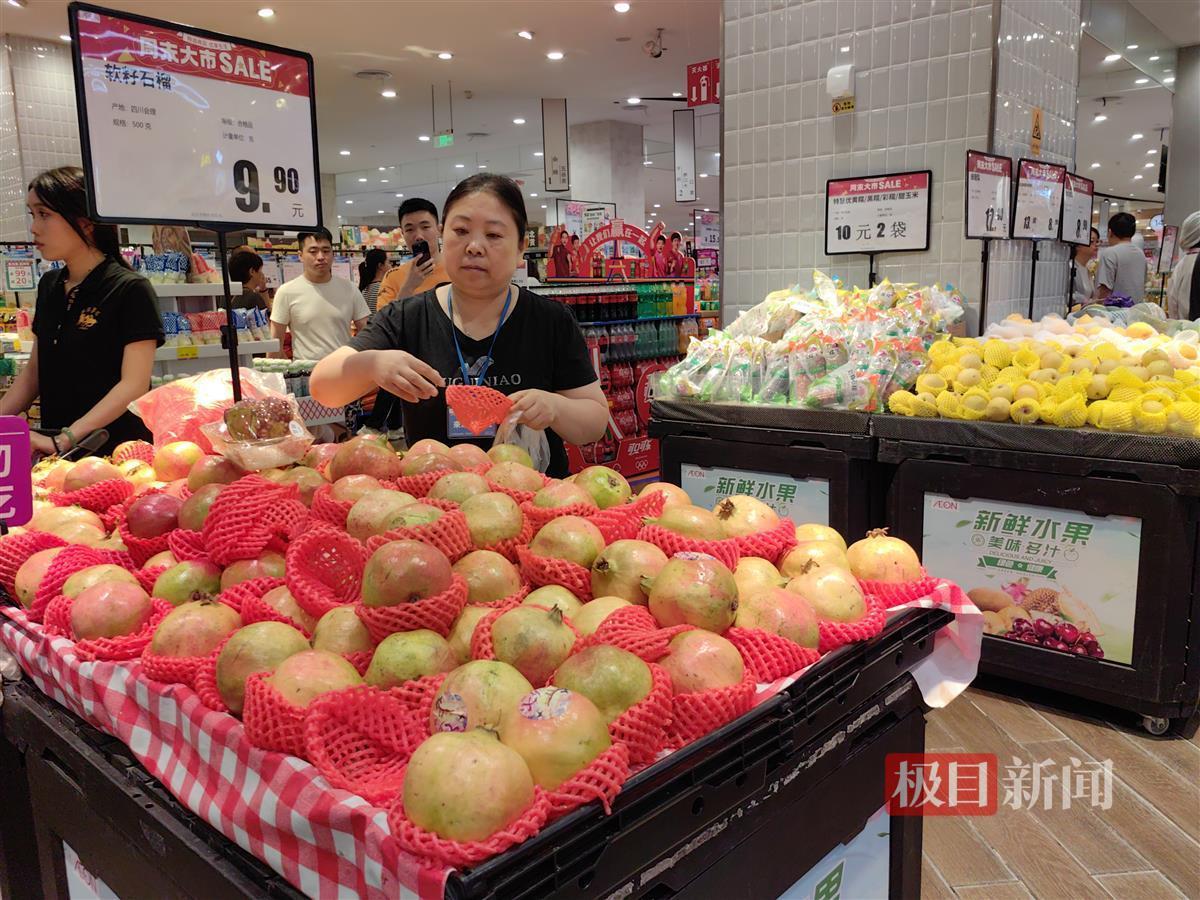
pixel 245 182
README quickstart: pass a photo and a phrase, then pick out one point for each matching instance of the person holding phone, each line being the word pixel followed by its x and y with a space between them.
pixel 479 329
pixel 419 223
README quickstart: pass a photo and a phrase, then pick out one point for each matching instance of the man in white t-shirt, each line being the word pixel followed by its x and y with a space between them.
pixel 318 307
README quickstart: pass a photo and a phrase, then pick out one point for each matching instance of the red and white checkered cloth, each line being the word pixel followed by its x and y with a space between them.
pixel 325 841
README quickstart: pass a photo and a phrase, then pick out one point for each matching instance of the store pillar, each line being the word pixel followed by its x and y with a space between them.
pixel 606 167
pixel 1183 176
pixel 329 213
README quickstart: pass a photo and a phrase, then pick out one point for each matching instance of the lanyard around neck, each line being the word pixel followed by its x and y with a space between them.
pixel 462 365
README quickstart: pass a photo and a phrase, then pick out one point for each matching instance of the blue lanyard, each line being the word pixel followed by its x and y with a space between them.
pixel 462 365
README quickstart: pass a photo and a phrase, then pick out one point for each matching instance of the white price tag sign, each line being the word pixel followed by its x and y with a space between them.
pixel 187 126
pixel 880 214
pixel 708 230
pixel 1077 209
pixel 1166 250
pixel 989 193
pixel 1039 200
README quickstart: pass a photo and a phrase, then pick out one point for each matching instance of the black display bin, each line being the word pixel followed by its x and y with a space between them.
pixel 1162 680
pixel 832 445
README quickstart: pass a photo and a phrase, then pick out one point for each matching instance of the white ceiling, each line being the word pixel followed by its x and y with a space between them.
pixel 1177 20
pixel 504 74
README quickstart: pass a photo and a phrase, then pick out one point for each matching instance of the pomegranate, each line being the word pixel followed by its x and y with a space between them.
pixel 165 558
pixel 281 600
pixel 140 474
pixel 570 538
pixel 424 463
pixel 469 456
pixel 834 594
pixel 213 470
pixel 612 678
pixel 592 613
pixel 353 488
pixel 673 493
pixel 555 596
pixel 556 731
pixel 515 476
pixel 562 493
pixel 188 581
pixel 195 509
pixel 131 450
pixel 606 486
pixel 363 456
pixel 417 514
pixel 821 553
pixel 175 460
pixel 811 531
pixel 879 557
pixel 427 445
pixel 258 647
pixel 464 629
pixel 509 453
pixel 88 471
pixel 80 533
pixel 492 517
pixel 404 572
pixel 341 631
pixel 458 486
pixel 52 518
pixel 319 455
pixel 50 473
pixel 269 565
pixel 700 661
pixel 408 655
pixel 153 515
pixel 753 573
pixel 741 516
pixel 376 512
pixel 690 521
pixel 110 609
pixel 93 575
pixel 533 641
pixel 194 629
pixel 489 576
pixel 779 611
pixel 465 787
pixel 29 577
pixel 303 677
pixel 475 694
pixel 618 571
pixel 308 480
pixel 694 589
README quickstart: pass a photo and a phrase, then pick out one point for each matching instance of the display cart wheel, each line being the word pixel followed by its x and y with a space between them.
pixel 1156 725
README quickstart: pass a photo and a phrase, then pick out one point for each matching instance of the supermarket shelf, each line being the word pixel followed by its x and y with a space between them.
pixel 204 351
pixel 196 290
pixel 643 319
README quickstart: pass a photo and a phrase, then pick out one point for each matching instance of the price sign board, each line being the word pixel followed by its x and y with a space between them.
pixel 878 214
pixel 1166 249
pixel 190 127
pixel 1039 200
pixel 1076 226
pixel 989 195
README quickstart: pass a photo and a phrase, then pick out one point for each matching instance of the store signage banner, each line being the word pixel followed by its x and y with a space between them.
pixel 1166 249
pixel 708 230
pixel 20 271
pixel 183 126
pixel 861 867
pixel 16 482
pixel 684 121
pixel 879 214
pixel 555 154
pixel 1055 564
pixel 1039 200
pixel 704 83
pixel 1076 227
pixel 581 218
pixel 801 499
pixel 989 193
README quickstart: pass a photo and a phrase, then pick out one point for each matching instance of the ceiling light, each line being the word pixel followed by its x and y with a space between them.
pixel 65 37
pixel 362 179
pixel 422 137
pixel 676 93
pixel 647 162
pixel 1140 80
pixel 266 12
pixel 652 215
pixel 343 152
pixel 1112 57
pixel 554 55
pixel 717 154
pixel 1149 165
pixel 483 166
pixel 1154 59
pixel 349 202
pixel 706 209
pixel 1151 152
pixel 382 169
pixel 399 195
pixel 387 92
pixel 845 49
pixel 528 35
pixel 1137 177
pixel 1095 165
pixel 1099 117
pixel 445 54
pixel 621 7
pixel 379 212
pixel 543 206
pixel 459 166
pixel 1154 185
pixel 383 181
pixel 1136 136
pixel 1169 80
pixel 658 206
pixel 19 4
pixel 703 174
pixel 533 195
pixel 1131 46
pixel 518 121
pixel 633 101
pixel 537 152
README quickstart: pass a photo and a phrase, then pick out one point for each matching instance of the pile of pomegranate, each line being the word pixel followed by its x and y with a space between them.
pixel 531 620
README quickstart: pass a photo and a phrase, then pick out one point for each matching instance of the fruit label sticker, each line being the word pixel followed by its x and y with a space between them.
pixel 1055 578
pixel 881 214
pixel 800 499
pixel 989 192
pixel 545 703
pixel 1077 209
pixel 1039 200
pixel 450 712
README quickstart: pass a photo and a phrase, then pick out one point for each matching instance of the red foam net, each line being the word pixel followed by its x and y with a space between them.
pixel 643 727
pixel 448 534
pixel 695 715
pixel 254 608
pixel 328 509
pixel 114 649
pixel 271 722
pixel 251 516
pixel 99 497
pixel 541 571
pixel 15 549
pixel 770 656
pixel 769 545
pixel 66 564
pixel 619 523
pixel 477 407
pixel 671 543
pixel 187 545
pixel 838 634
pixel 437 613
pixel 601 780
pixel 324 569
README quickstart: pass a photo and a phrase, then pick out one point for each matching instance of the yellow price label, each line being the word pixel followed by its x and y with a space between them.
pixel 17 345
pixel 191 352
pixel 843 105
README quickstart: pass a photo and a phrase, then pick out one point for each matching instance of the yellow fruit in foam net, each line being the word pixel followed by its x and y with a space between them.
pixel 925 406
pixel 988 374
pixel 1044 376
pixel 1024 411
pixel 1126 376
pixel 930 383
pixel 1026 360
pixel 997 410
pixel 1116 416
pixel 1097 388
pixel 970 360
pixel 997 353
pixel 950 372
pixel 1150 416
pixel 949 406
pixel 1161 367
pixel 1027 390
pixel 1052 359
pixel 1140 330
pixel 1080 364
pixel 1124 393
pixel 1183 417
pixel 1001 391
pixel 941 352
pixel 1107 366
pixel 901 403
pixel 1104 350
pixel 967 379
pixel 1071 412
pixel 1153 355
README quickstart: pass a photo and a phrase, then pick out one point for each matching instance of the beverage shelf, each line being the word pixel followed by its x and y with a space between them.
pixel 635 321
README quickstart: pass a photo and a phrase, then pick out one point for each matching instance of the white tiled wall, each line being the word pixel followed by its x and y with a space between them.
pixel 37 81
pixel 1037 66
pixel 922 86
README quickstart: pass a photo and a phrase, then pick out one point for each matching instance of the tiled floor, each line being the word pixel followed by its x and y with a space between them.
pixel 1146 846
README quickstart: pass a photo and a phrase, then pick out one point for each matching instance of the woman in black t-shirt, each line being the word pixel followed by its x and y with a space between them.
pixel 478 329
pixel 96 324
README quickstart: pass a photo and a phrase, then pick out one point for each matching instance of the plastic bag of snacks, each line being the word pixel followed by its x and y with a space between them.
pixel 260 434
pixel 177 410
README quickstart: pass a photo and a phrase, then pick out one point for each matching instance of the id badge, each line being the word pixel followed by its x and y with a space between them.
pixel 457 431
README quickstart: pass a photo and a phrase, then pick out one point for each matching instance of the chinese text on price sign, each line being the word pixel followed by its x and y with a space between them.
pixel 1039 200
pixel 989 192
pixel 879 214
pixel 800 499
pixel 1077 209
pixel 222 131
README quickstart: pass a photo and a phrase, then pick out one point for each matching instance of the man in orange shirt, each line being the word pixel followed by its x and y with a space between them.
pixel 418 222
